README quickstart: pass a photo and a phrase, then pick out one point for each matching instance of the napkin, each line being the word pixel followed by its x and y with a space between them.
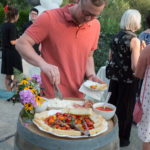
pixel 94 94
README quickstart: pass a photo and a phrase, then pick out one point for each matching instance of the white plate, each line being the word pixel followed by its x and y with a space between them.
pixel 52 112
pixel 89 83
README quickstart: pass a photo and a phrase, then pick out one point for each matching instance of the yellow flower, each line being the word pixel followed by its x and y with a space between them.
pixel 34 91
pixel 26 88
pixel 28 106
pixel 24 82
pixel 39 100
pixel 29 88
pixel 28 78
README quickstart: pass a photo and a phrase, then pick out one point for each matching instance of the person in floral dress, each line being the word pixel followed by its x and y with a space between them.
pixel 143 70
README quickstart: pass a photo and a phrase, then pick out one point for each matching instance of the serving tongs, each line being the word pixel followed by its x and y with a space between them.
pixel 82 131
pixel 87 130
pixel 57 92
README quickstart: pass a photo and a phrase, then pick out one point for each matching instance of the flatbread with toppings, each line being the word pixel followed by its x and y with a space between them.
pixel 62 123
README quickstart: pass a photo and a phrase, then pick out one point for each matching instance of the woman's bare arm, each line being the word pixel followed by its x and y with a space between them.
pixel 135 50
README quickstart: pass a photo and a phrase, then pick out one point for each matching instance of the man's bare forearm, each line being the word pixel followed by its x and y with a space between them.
pixel 90 69
pixel 24 47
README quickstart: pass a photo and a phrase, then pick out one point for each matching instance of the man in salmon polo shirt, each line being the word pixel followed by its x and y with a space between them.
pixel 68 38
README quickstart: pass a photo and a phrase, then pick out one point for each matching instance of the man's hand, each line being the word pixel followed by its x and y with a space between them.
pixel 52 72
pixel 96 79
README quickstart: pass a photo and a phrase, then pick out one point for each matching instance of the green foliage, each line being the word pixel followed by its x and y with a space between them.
pixel 101 54
pixel 142 5
pixel 19 76
pixel 3 2
pixel 109 25
pixel 2 14
pixel 24 17
pixel 65 2
pixel 20 4
pixel 27 116
pixel 111 15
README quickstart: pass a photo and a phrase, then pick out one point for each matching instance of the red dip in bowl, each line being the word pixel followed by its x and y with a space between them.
pixel 104 109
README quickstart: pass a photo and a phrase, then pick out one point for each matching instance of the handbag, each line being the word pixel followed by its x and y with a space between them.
pixel 138 110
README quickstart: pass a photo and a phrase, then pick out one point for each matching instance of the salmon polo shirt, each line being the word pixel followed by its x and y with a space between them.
pixel 65 45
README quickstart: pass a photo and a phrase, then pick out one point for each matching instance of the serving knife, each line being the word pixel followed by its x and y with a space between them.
pixel 57 92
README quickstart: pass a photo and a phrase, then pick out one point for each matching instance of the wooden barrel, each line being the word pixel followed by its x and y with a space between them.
pixel 31 138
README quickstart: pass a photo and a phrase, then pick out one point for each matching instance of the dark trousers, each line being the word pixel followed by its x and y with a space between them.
pixel 123 97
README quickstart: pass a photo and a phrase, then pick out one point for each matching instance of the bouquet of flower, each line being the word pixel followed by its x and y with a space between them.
pixel 28 92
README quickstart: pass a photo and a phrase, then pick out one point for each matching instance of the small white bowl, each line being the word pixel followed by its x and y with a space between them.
pixel 106 114
pixel 41 107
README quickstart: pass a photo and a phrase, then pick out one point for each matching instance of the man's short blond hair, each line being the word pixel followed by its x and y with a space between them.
pixel 131 20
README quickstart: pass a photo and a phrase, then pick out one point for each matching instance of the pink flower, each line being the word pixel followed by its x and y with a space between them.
pixel 37 78
pixel 27 97
pixel 26 124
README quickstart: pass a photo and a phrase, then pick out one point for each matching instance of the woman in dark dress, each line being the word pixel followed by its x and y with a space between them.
pixel 10 57
pixel 124 54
